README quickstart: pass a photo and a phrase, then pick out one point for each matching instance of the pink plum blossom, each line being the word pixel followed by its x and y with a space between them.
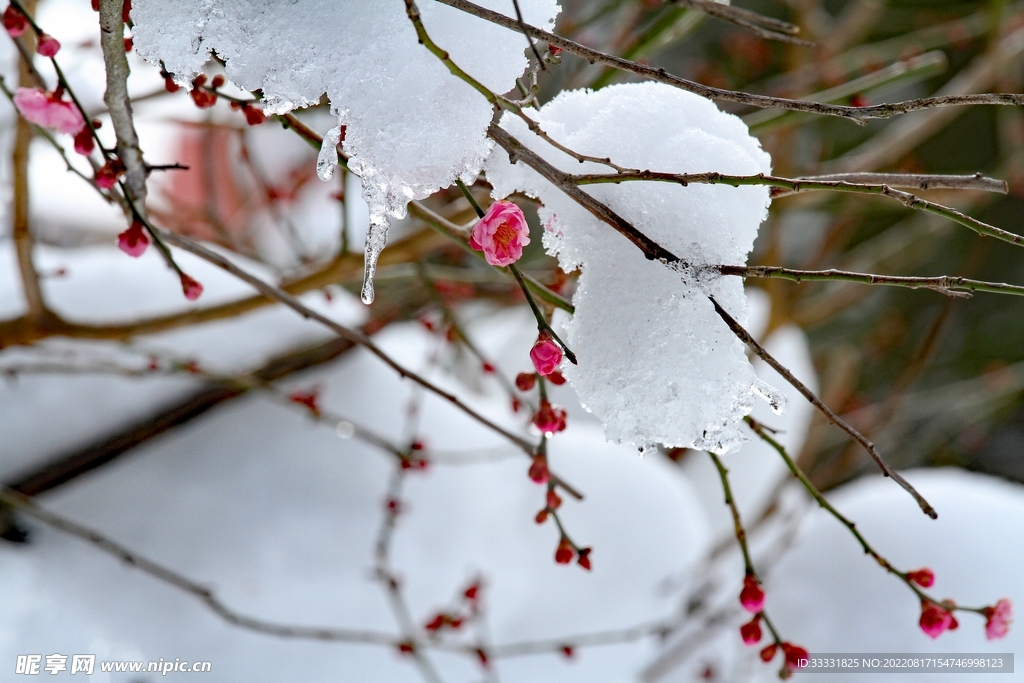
pixel 751 597
pixel 998 619
pixel 48 110
pixel 501 234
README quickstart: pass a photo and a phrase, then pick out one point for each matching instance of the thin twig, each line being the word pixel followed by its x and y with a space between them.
pixel 858 114
pixel 762 432
pixel 758 24
pixel 533 46
pixel 194 588
pixel 794 185
pixel 740 332
pixel 950 285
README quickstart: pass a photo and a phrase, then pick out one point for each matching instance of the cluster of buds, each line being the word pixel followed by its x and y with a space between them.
pixel 203 97
pixel 794 655
pixel 254 116
pixel 463 613
pixel 566 551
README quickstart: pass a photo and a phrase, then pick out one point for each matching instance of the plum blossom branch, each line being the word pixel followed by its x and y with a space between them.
pixel 798 473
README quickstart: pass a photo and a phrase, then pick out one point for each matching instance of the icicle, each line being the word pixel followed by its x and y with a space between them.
pixel 777 401
pixel 327 159
pixel 376 239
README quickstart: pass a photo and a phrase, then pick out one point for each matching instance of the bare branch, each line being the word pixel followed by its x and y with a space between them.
pixel 202 593
pixel 116 98
pixel 859 114
pixel 740 332
pixel 910 181
pixel 758 24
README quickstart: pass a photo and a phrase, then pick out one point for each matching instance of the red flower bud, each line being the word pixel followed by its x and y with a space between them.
pixel 556 378
pixel 751 631
pixel 768 653
pixel 254 116
pixel 565 552
pixel 923 577
pixel 488 368
pixel 473 592
pixel 568 651
pixel 310 399
pixel 482 656
pixel 553 500
pixel 796 656
pixel 934 619
pixel 550 418
pixel 217 82
pixel 584 558
pixel 406 647
pixel 542 516
pixel 538 471
pixel 14 21
pixel 84 143
pixel 170 85
pixel 525 381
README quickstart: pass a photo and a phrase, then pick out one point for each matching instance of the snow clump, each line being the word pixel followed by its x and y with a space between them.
pixel 656 363
pixel 411 127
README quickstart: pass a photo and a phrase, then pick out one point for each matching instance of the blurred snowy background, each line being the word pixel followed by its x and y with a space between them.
pixel 279 514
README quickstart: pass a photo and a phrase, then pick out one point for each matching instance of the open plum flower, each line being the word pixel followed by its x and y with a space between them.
pixel 49 110
pixel 501 234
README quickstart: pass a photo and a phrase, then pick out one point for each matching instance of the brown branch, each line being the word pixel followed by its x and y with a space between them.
pixel 858 114
pixel 950 285
pixel 119 106
pixel 909 181
pixel 20 219
pixel 740 332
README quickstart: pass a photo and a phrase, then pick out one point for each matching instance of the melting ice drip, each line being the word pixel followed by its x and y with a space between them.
pixel 777 401
pixel 377 233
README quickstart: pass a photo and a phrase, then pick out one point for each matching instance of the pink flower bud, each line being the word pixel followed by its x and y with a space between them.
pixel 935 619
pixel 48 46
pixel 923 577
pixel 998 619
pixel 190 287
pixel 545 354
pixel 134 240
pixel 751 631
pixel 751 597
pixel 501 234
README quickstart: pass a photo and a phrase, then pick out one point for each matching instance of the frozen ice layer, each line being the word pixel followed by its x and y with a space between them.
pixel 656 363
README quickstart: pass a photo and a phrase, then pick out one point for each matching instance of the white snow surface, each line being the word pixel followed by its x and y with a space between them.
pixel 656 364
pixel 412 127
